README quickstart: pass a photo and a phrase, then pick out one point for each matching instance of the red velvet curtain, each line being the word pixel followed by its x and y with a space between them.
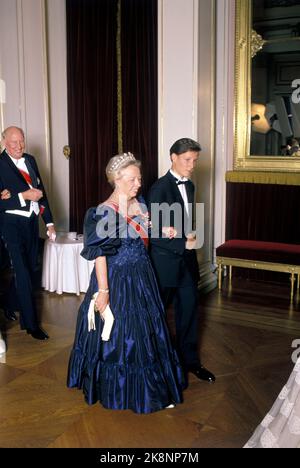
pixel 92 94
pixel 263 212
pixel 92 109
pixel 139 84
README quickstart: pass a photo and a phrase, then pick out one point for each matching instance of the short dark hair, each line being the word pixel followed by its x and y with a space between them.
pixel 183 145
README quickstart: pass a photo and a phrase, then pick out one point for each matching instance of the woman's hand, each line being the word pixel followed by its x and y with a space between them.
pixel 101 301
pixel 5 194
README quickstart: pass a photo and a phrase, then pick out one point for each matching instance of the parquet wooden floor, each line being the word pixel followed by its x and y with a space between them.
pixel 246 338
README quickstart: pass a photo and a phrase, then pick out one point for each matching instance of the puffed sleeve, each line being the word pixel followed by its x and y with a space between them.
pixel 100 233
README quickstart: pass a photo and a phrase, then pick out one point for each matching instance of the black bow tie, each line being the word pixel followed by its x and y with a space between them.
pixel 179 182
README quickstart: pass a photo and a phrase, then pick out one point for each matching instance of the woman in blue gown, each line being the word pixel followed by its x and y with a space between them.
pixel 137 368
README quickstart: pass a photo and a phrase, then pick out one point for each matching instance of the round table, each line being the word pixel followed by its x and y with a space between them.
pixel 64 270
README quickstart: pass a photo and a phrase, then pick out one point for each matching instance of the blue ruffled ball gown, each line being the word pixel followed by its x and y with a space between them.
pixel 137 368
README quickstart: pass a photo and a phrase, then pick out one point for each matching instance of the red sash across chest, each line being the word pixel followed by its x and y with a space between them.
pixel 26 177
pixel 139 229
pixel 29 182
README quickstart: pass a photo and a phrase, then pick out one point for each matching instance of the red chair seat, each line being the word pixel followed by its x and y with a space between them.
pixel 273 252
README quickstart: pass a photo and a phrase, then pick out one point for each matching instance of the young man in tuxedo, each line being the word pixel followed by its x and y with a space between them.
pixel 173 250
pixel 23 198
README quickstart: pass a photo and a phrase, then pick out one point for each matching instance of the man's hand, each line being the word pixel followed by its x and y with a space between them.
pixel 5 194
pixel 191 236
pixel 191 243
pixel 32 194
pixel 51 233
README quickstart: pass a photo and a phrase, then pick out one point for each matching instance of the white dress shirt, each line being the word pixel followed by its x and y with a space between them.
pixel 34 206
pixel 182 189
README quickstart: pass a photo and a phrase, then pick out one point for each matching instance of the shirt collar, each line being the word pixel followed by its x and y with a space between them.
pixel 17 162
pixel 177 176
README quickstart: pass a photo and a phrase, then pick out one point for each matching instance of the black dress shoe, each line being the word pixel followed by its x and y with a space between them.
pixel 201 373
pixel 10 315
pixel 38 334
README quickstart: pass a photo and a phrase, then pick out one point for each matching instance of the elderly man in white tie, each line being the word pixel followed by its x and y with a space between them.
pixel 24 200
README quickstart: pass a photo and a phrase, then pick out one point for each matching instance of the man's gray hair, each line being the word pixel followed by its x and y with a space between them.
pixel 4 133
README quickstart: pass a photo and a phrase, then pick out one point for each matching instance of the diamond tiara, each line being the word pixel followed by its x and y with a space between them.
pixel 122 159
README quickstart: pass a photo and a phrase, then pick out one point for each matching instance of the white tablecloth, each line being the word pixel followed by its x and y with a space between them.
pixel 64 270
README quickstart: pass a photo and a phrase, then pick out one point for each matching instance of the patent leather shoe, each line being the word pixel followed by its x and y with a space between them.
pixel 10 315
pixel 37 333
pixel 202 373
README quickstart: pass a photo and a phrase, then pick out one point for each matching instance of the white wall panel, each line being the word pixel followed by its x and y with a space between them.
pixel 187 98
pixel 178 66
pixel 57 73
pixel 24 69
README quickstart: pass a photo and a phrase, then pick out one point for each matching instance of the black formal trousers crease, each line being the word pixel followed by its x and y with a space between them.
pixel 20 235
pixel 185 304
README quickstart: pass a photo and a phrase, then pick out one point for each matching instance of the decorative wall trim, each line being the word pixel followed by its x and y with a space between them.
pixel 272 178
pixel 208 280
pixel 204 176
pixel 224 95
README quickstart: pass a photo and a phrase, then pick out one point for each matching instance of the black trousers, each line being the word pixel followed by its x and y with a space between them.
pixel 21 238
pixel 185 301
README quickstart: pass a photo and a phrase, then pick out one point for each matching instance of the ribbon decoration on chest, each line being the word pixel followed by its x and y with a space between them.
pixel 28 179
pixel 139 229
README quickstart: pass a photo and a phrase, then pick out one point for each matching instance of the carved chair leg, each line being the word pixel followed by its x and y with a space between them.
pixel 220 276
pixel 230 275
pixel 292 286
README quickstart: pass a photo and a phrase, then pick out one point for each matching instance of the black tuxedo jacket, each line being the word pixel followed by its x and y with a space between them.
pixel 174 265
pixel 12 180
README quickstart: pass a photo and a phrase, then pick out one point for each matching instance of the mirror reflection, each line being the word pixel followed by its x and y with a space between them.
pixel 275 113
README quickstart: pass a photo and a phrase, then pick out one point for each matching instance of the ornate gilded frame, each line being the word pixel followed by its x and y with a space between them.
pixel 242 115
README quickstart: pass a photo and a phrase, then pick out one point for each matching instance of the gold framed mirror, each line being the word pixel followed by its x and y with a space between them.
pixel 273 127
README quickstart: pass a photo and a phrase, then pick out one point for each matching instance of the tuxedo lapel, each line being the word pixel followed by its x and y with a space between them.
pixel 190 191
pixel 190 195
pixel 189 186
pixel 175 193
pixel 31 173
pixel 12 166
pixel 176 197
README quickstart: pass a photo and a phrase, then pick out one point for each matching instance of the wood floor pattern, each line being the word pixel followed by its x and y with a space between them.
pixel 246 338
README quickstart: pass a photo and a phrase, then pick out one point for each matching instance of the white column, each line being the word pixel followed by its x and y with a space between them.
pixel 224 111
pixel 177 74
pixel 204 177
pixel 187 99
pixel 57 72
